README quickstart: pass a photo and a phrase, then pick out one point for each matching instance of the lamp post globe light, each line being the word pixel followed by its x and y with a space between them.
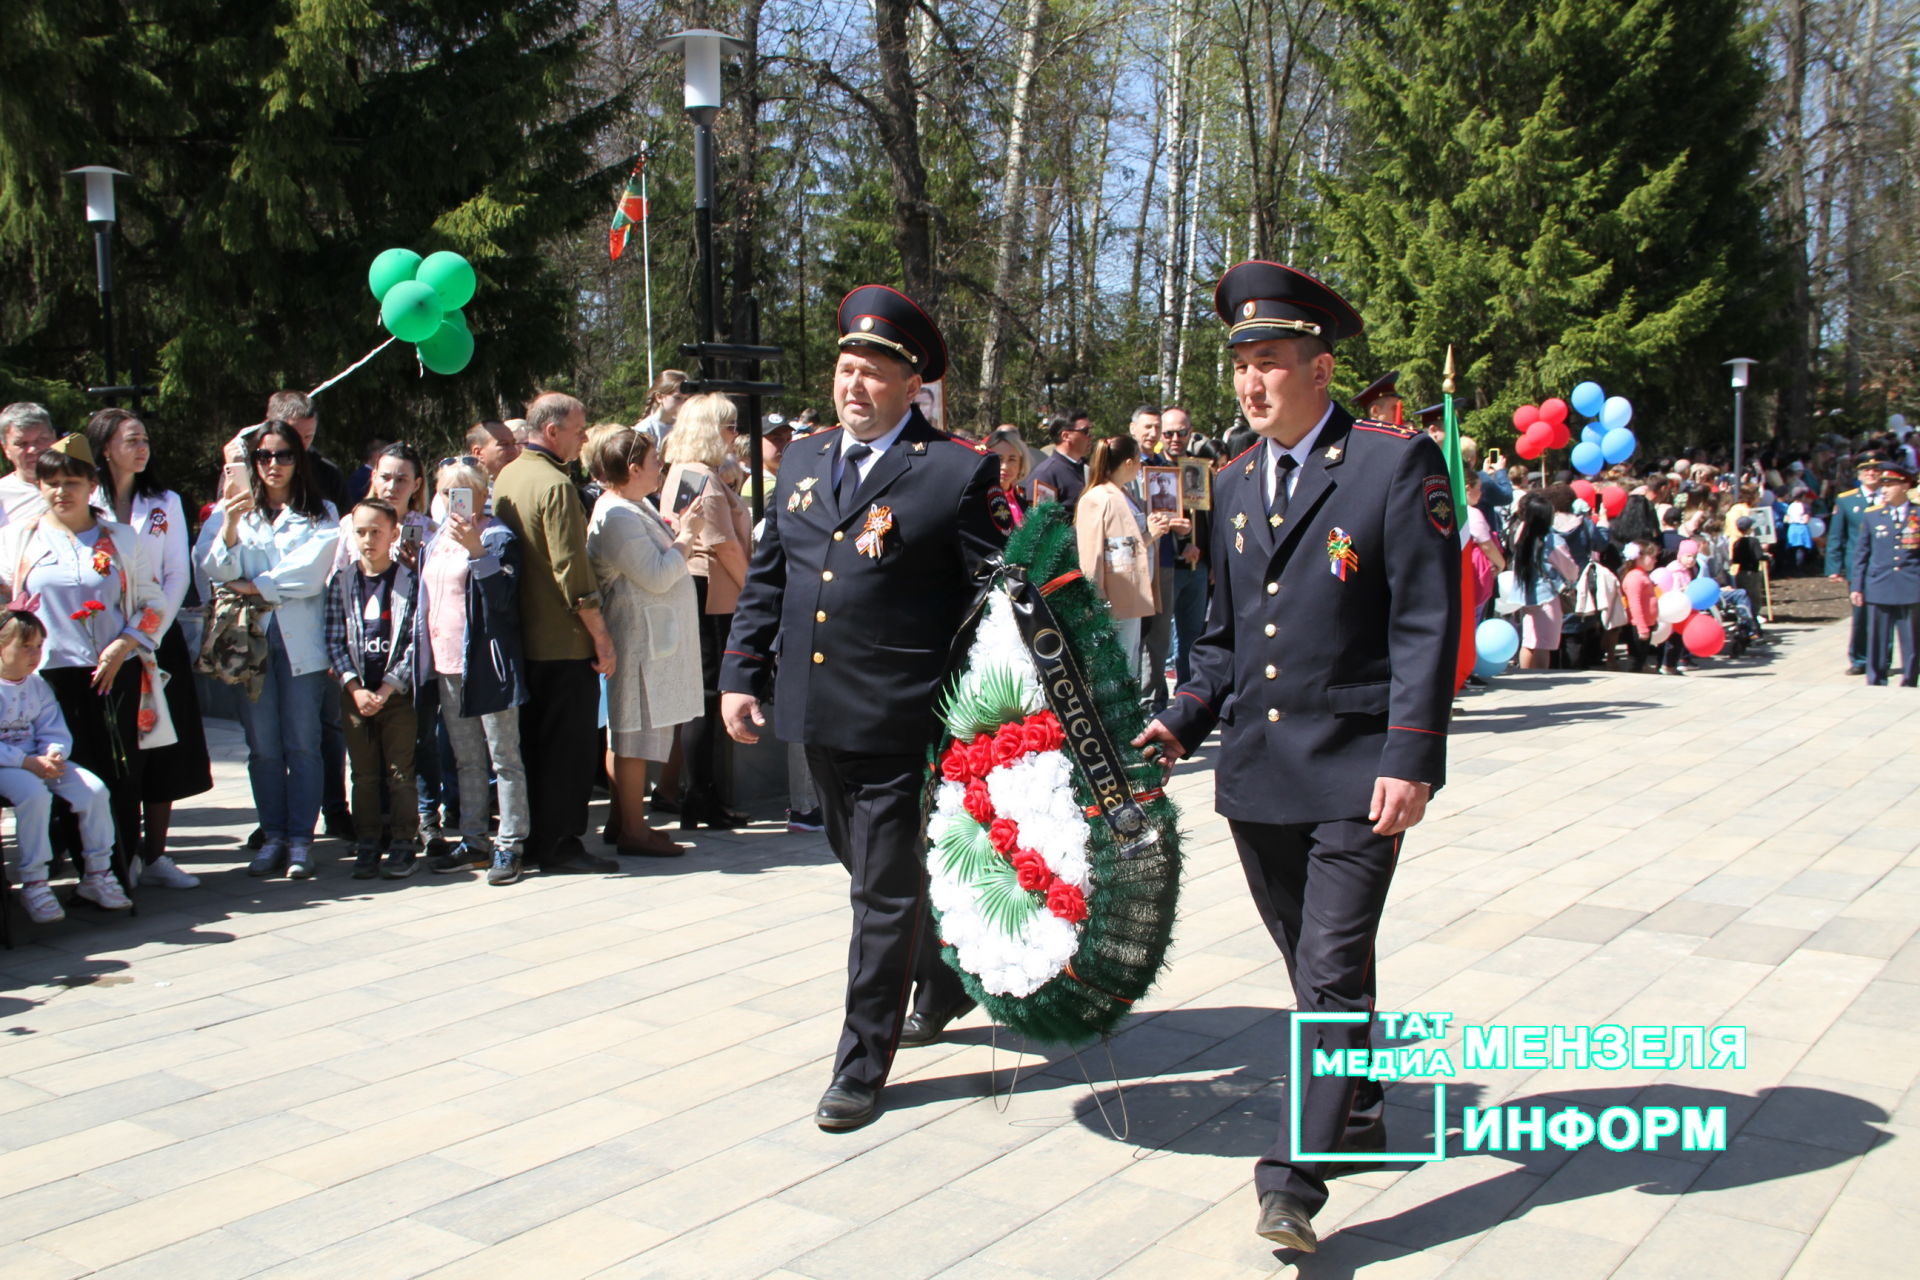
pixel 1740 366
pixel 101 215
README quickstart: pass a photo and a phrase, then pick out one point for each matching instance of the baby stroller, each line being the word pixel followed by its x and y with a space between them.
pixel 1735 612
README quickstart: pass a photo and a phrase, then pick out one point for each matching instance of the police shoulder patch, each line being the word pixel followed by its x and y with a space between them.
pixel 998 510
pixel 1436 494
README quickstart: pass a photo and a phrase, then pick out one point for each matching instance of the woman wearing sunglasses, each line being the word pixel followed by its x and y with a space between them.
pixel 275 540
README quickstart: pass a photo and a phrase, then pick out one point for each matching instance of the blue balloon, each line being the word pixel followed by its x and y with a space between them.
pixel 1488 670
pixel 1588 398
pixel 1616 412
pixel 1594 433
pixel 1495 641
pixel 1618 445
pixel 1587 458
pixel 1703 593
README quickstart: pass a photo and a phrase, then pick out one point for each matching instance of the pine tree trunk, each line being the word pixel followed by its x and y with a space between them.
pixel 1012 214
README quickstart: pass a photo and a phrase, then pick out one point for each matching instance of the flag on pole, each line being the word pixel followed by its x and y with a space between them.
pixel 632 210
pixel 1457 476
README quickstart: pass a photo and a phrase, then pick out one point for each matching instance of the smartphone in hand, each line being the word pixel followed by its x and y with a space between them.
pixel 460 502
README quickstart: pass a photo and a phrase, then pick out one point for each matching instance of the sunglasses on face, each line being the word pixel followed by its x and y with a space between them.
pixel 272 457
pixel 467 458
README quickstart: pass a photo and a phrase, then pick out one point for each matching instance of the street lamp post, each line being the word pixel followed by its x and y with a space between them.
pixel 101 216
pixel 1740 366
pixel 703 49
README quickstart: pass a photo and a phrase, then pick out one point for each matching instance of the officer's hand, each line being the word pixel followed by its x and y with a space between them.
pixel 1856 599
pixel 740 712
pixel 1397 805
pixel 1159 744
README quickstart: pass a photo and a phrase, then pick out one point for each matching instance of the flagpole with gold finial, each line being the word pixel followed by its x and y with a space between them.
pixel 1457 482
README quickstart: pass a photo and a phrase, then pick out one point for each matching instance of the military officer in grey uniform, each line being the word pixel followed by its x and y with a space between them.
pixel 1328 659
pixel 1843 534
pixel 1886 575
pixel 870 560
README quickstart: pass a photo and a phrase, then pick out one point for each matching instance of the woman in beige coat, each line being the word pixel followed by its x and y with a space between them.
pixel 648 597
pixel 702 508
pixel 1118 541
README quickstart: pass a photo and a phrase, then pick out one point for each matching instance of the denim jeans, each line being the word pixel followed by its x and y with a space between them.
pixel 283 744
pixel 1189 615
pixel 480 741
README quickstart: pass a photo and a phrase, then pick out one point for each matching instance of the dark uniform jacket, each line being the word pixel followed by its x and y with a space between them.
pixel 1067 478
pixel 1331 640
pixel 1843 530
pixel 864 641
pixel 1886 557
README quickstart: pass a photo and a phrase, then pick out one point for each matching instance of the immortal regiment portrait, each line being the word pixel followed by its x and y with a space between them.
pixel 834 641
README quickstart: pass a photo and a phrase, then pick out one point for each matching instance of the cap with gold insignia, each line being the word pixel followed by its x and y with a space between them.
pixel 1260 300
pixel 875 316
pixel 1384 387
pixel 1433 415
pixel 1891 467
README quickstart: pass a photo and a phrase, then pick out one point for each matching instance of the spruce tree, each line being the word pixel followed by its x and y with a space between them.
pixel 1562 189
pixel 273 151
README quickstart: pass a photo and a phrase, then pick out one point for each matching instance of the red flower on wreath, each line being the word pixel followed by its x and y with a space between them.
pixel 980 760
pixel 1032 869
pixel 1005 836
pixel 1067 902
pixel 953 765
pixel 978 804
pixel 148 719
pixel 1009 744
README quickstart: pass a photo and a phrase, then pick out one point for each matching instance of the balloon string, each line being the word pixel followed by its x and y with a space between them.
pixel 350 368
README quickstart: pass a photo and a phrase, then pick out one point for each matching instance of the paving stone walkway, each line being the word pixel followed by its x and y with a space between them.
pixel 579 1076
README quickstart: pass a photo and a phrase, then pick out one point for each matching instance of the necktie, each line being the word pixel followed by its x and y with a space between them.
pixel 1277 501
pixel 849 474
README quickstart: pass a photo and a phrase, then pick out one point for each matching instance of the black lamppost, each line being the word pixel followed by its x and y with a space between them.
pixel 1740 366
pixel 101 216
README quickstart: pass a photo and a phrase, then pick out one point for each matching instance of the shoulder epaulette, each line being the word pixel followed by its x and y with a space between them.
pixel 1847 493
pixel 1403 430
pixel 1878 506
pixel 1243 453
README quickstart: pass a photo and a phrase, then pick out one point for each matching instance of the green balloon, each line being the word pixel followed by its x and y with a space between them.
pixel 449 275
pixel 458 318
pixel 411 312
pixel 390 268
pixel 448 350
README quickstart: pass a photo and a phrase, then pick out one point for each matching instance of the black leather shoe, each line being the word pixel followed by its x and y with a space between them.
pixel 1285 1221
pixel 925 1028
pixel 847 1104
pixel 577 862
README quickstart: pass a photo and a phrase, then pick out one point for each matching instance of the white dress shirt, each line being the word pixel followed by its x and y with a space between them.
pixel 1299 453
pixel 879 447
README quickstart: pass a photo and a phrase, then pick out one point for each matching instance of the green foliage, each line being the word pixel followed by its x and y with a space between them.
pixel 274 150
pixel 1562 190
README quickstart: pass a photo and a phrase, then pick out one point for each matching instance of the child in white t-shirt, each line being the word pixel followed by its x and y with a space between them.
pixel 34 745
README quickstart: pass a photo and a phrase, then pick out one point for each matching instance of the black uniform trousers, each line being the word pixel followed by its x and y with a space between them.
pixel 1884 622
pixel 872 808
pixel 1320 889
pixel 560 743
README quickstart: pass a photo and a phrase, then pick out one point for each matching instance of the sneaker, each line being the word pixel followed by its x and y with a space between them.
pixel 101 889
pixel 267 862
pixel 300 860
pixel 161 873
pixel 401 861
pixel 366 862
pixel 466 857
pixel 806 820
pixel 432 843
pixel 505 868
pixel 42 906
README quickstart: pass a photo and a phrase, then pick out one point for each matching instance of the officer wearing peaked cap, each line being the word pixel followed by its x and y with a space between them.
pixel 1328 661
pixel 1886 575
pixel 861 580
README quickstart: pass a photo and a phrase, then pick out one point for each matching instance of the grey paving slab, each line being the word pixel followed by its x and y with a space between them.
pixel 615 1076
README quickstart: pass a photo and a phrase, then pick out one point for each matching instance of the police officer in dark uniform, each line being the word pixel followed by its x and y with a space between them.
pixel 1886 575
pixel 874 536
pixel 1329 658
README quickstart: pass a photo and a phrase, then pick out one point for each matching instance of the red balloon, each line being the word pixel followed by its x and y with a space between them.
pixel 1583 490
pixel 1528 446
pixel 1614 499
pixel 1554 410
pixel 1525 416
pixel 1703 635
pixel 1541 433
pixel 1561 437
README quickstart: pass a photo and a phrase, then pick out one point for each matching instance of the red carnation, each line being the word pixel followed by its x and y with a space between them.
pixel 1009 744
pixel 1067 902
pixel 980 758
pixel 977 803
pixel 1005 835
pixel 94 605
pixel 953 765
pixel 1033 870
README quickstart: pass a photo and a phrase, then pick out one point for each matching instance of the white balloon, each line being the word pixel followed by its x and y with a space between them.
pixel 1817 527
pixel 1661 634
pixel 1675 608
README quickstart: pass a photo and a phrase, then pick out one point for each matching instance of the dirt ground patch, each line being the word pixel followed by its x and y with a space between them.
pixel 1810 599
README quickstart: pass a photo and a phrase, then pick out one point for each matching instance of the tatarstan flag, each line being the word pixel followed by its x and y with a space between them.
pixel 1457 477
pixel 632 211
